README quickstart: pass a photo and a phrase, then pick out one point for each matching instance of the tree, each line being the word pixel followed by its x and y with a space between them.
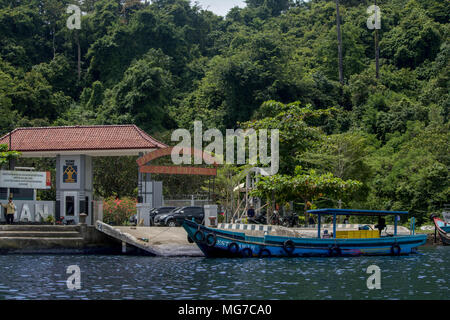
pixel 163 64
pixel 53 12
pixel 34 97
pixel 339 36
pixel 353 55
pixel 299 128
pixel 414 40
pixel 115 176
pixel 6 155
pixel 144 90
pixel 306 185
pixel 346 156
pixel 411 171
pixel 274 7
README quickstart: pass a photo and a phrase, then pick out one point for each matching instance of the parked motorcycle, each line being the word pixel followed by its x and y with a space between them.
pixel 290 221
pixel 258 219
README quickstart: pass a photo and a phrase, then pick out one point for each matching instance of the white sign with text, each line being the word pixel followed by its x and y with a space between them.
pixel 25 179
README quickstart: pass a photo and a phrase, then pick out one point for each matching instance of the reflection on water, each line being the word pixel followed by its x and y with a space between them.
pixel 421 276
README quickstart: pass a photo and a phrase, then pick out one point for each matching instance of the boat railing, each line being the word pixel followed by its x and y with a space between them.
pixel 334 213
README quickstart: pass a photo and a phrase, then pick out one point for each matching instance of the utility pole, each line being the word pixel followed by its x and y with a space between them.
pixel 374 23
pixel 79 55
pixel 230 175
pixel 338 22
pixel 377 48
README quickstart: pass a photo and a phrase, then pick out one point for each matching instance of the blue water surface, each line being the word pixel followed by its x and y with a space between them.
pixel 422 276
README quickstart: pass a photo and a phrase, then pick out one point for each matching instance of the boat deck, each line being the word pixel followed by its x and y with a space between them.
pixel 304 232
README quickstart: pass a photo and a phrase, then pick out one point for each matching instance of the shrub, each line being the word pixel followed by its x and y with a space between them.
pixel 50 219
pixel 118 211
pixel 221 217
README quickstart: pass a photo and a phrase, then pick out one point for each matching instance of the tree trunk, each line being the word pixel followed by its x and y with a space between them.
pixel 231 196
pixel 53 42
pixel 79 55
pixel 306 213
pixel 377 49
pixel 338 22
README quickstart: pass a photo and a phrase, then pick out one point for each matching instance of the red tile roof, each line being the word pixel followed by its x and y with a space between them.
pixel 115 137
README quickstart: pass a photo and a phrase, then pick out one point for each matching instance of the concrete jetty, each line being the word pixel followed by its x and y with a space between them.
pixel 156 241
pixel 51 239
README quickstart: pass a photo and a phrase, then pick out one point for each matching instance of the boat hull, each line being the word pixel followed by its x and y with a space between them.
pixel 216 243
pixel 442 228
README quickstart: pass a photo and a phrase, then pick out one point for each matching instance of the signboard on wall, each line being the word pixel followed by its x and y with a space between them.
pixel 70 172
pixel 25 179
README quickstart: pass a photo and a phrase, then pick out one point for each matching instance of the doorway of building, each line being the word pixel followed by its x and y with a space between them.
pixel 71 211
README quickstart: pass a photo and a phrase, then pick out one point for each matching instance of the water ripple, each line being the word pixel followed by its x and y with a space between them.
pixel 424 276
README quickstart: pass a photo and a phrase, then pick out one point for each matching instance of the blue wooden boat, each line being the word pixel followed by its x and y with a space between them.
pixel 443 228
pixel 216 243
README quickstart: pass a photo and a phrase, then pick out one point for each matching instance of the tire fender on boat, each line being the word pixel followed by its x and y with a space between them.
pixel 395 250
pixel 247 253
pixel 233 247
pixel 199 236
pixel 334 251
pixel 208 238
pixel 289 246
pixel 264 253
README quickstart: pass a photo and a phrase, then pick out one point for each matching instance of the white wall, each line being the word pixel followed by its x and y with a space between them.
pixel 31 211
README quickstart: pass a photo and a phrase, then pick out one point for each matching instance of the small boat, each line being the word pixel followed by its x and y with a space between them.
pixel 443 228
pixel 217 243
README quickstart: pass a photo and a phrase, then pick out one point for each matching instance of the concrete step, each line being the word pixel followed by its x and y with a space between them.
pixel 13 243
pixel 43 228
pixel 39 234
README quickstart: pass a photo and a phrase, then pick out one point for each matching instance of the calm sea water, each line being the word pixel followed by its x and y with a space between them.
pixel 422 276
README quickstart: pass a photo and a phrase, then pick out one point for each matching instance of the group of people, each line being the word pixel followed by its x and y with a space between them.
pixel 10 211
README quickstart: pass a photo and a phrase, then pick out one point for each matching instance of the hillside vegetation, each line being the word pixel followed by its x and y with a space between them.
pixel 165 63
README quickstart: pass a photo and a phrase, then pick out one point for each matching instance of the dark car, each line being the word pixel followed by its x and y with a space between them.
pixel 153 213
pixel 176 217
pixel 159 211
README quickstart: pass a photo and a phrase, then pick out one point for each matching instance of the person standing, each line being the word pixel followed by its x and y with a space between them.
pixel 347 220
pixel 381 224
pixel 251 212
pixel 10 211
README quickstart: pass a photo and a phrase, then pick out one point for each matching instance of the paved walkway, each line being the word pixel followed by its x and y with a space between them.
pixel 162 241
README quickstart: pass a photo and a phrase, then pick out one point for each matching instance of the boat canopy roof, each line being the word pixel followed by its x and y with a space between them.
pixel 356 212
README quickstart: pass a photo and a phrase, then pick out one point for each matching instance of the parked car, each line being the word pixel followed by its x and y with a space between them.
pixel 158 211
pixel 176 217
pixel 153 213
